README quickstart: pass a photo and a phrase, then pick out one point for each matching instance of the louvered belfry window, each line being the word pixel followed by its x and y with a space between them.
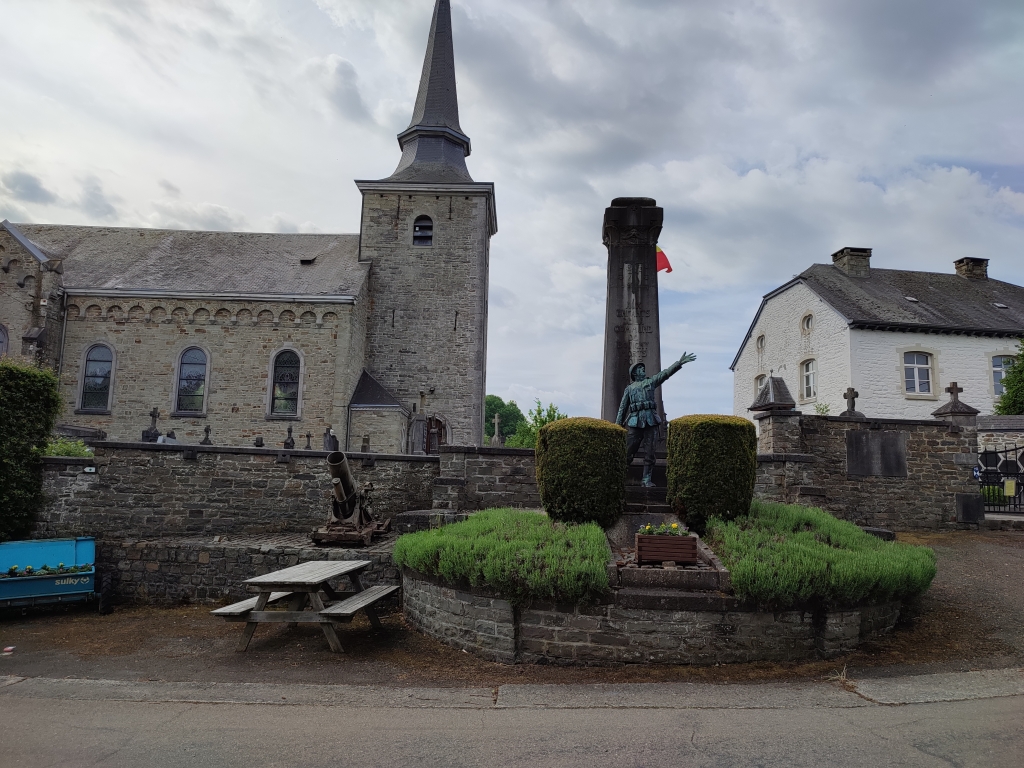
pixel 191 381
pixel 99 362
pixel 285 399
pixel 423 231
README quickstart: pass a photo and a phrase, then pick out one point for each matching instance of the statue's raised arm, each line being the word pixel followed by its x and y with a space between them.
pixel 638 411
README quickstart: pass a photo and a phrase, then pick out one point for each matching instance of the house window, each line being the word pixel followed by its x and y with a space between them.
pixel 760 343
pixel 423 231
pixel 807 324
pixel 191 381
pixel 285 398
pixel 3 341
pixel 759 383
pixel 99 363
pixel 809 374
pixel 917 373
pixel 1000 367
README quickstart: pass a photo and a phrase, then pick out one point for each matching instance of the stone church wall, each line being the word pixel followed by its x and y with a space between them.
pixel 240 339
pixel 30 297
pixel 428 328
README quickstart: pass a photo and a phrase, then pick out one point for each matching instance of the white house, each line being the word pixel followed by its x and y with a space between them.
pixel 897 337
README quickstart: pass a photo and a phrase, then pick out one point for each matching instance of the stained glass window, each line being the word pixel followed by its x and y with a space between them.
pixel 96 383
pixel 3 341
pixel 285 399
pixel 191 381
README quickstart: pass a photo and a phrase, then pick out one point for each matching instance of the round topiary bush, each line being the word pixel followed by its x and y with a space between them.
pixel 712 461
pixel 581 470
pixel 29 405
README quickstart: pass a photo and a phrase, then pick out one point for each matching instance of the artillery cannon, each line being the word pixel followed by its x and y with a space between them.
pixel 350 520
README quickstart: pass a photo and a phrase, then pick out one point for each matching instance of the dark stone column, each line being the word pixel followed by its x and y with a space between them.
pixel 631 328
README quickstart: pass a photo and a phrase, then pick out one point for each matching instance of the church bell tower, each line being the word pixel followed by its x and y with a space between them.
pixel 426 232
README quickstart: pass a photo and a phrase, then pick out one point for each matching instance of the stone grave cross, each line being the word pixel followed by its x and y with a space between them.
pixel 954 391
pixel 851 403
pixel 496 440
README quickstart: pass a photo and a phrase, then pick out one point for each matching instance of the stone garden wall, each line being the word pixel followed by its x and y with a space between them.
pixel 146 490
pixel 635 626
pixel 475 478
pixel 1000 432
pixel 900 474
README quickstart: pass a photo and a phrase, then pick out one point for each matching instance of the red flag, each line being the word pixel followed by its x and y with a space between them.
pixel 663 261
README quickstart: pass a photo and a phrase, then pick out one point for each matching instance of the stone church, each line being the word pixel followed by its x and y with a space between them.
pixel 251 333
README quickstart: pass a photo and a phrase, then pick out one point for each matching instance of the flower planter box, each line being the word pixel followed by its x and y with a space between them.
pixel 51 587
pixel 681 550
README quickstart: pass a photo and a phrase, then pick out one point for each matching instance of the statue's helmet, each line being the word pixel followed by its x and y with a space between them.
pixel 634 371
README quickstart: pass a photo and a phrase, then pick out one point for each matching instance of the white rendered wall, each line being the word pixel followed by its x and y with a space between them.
pixel 787 346
pixel 878 371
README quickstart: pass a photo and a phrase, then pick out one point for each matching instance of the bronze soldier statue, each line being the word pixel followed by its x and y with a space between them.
pixel 638 412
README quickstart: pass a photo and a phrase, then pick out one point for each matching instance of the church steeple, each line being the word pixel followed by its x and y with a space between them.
pixel 434 148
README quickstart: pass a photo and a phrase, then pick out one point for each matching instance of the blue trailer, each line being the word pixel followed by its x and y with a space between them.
pixel 52 587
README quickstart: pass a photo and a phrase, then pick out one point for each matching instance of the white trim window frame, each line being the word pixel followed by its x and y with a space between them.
pixel 1000 369
pixel 95 374
pixel 188 368
pixel 918 373
pixel 269 397
pixel 809 379
pixel 759 381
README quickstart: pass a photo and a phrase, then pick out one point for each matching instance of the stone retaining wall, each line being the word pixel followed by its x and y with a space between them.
pixel 170 571
pixel 632 627
pixel 1000 432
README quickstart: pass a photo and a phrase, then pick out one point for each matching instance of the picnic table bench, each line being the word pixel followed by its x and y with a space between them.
pixel 299 587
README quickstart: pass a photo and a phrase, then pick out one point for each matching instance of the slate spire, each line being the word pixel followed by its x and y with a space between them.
pixel 434 148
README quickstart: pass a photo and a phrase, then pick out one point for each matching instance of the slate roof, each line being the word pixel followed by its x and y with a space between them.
pixel 946 303
pixel 180 261
pixel 370 393
pixel 774 396
pixel 434 148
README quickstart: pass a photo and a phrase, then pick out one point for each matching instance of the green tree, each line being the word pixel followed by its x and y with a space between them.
pixel 526 432
pixel 511 416
pixel 29 405
pixel 1011 402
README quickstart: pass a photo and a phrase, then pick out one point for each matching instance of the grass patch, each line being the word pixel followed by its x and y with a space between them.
pixel 782 556
pixel 523 556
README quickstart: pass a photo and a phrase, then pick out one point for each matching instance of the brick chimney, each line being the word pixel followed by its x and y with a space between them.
pixel 972 269
pixel 856 262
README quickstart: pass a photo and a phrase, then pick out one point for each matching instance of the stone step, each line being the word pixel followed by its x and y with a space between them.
pixel 636 494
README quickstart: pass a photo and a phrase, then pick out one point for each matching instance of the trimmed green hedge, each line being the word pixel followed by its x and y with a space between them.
pixel 29 405
pixel 712 461
pixel 581 470
pixel 782 556
pixel 521 555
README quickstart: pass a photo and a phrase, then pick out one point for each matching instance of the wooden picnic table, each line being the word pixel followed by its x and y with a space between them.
pixel 299 587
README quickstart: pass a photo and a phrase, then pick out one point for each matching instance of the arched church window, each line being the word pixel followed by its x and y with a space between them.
pixel 99 365
pixel 191 394
pixel 423 231
pixel 285 398
pixel 3 341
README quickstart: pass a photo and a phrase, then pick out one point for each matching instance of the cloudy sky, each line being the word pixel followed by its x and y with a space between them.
pixel 773 132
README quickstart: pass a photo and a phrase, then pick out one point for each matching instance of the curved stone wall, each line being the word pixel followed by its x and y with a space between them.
pixel 632 627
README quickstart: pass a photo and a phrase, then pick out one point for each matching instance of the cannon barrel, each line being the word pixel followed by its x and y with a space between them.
pixel 343 483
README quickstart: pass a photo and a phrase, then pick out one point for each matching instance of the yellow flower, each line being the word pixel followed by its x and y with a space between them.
pixel 675 525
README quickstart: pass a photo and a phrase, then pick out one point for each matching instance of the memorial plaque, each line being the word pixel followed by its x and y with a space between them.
pixel 876 453
pixel 631 331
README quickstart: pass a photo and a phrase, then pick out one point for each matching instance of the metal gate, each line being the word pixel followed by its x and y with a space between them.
pixel 1000 474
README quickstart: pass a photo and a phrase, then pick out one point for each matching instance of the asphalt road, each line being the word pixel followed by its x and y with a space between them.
pixel 964 719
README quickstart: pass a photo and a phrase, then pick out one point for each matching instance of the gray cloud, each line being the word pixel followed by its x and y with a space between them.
pixel 27 188
pixel 94 201
pixel 195 216
pixel 169 188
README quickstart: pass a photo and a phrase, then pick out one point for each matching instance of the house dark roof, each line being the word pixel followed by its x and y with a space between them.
pixel 370 393
pixel 945 302
pixel 179 261
pixel 434 148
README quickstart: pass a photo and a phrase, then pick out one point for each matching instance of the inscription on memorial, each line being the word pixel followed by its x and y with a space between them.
pixel 876 453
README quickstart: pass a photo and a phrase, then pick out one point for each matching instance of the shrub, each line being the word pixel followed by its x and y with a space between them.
pixel 29 404
pixel 581 470
pixel 521 555
pixel 65 446
pixel 526 430
pixel 712 461
pixel 1011 402
pixel 782 556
